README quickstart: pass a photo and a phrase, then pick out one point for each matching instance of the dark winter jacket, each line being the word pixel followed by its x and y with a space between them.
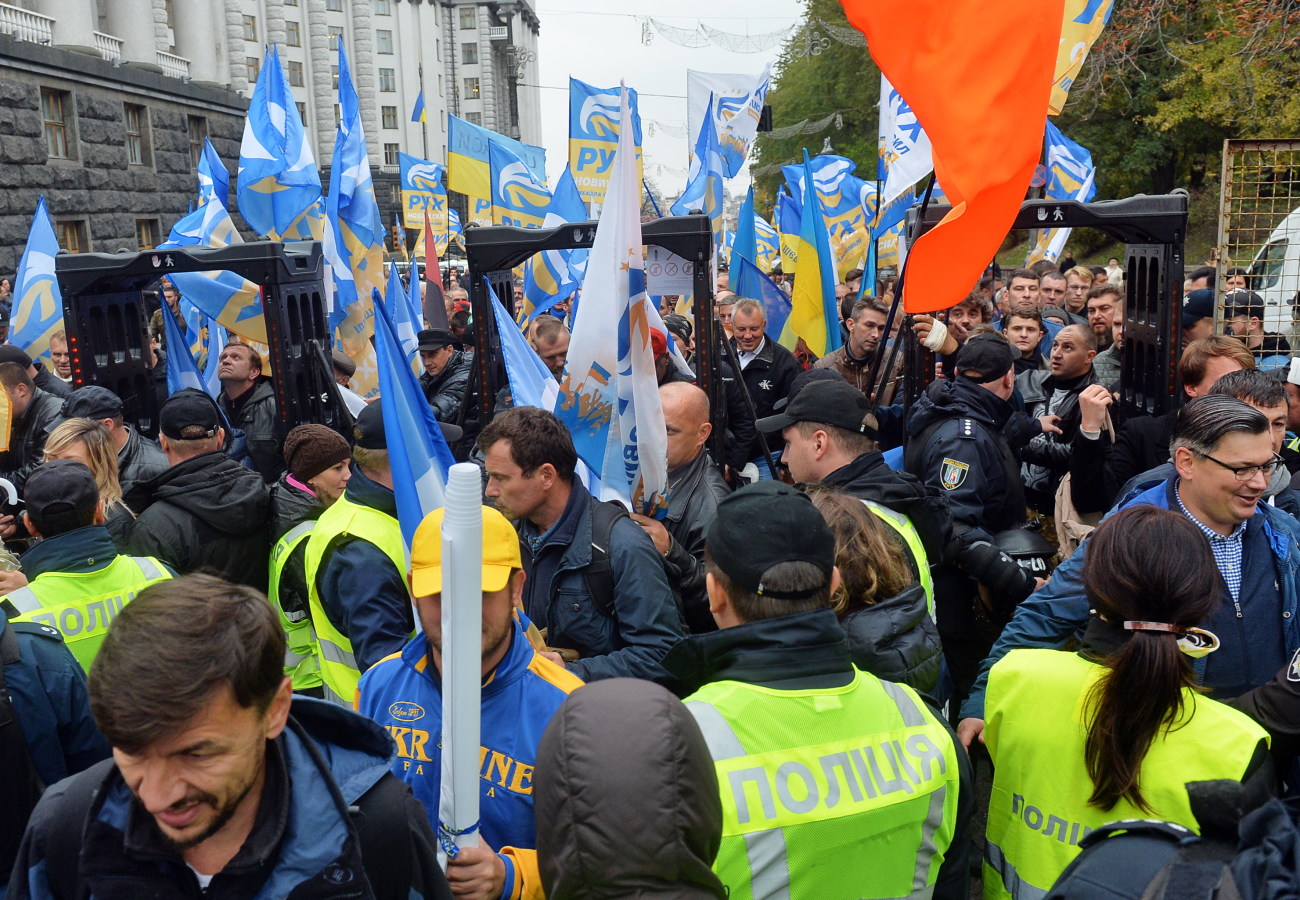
pixel 255 416
pixel 139 460
pixel 333 822
pixel 768 378
pixel 645 624
pixel 620 761
pixel 869 478
pixel 206 512
pixel 896 640
pixel 1047 456
pixel 1142 443
pixel 51 383
pixel 27 436
pixel 693 496
pixel 446 392
pixel 291 506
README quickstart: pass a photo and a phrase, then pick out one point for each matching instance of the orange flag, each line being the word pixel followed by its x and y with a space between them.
pixel 978 75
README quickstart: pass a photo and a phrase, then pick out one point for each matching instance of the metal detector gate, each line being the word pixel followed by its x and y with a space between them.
pixel 493 251
pixel 103 313
pixel 1153 229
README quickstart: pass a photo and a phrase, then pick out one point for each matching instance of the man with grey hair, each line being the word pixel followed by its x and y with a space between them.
pixel 1223 458
pixel 766 368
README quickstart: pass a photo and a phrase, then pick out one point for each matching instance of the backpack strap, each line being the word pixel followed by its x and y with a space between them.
pixel 598 574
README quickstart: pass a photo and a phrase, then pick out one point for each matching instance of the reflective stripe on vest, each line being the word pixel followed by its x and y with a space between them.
pixel 82 605
pixel 907 531
pixel 1037 718
pixel 300 637
pixel 338 666
pixel 842 785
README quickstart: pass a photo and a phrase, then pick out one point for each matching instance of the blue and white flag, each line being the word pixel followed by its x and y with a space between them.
pixel 531 382
pixel 418 454
pixel 593 135
pixel 214 180
pixel 38 303
pixel 905 156
pixel 553 275
pixel 1070 176
pixel 744 241
pixel 399 305
pixel 455 231
pixel 609 398
pixel 704 183
pixel 231 299
pixel 217 340
pixel 279 187
pixel 182 372
pixel 518 196
pixel 735 103
pixel 767 243
pixel 751 282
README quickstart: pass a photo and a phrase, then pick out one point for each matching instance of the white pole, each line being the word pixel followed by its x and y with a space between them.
pixel 462 654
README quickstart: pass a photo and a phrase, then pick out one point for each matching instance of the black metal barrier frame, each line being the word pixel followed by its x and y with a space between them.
pixel 1153 229
pixel 494 251
pixel 103 310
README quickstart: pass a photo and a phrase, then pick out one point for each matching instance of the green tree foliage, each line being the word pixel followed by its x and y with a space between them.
pixel 815 77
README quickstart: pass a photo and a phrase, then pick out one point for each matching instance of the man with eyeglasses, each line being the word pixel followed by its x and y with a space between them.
pixel 1224 459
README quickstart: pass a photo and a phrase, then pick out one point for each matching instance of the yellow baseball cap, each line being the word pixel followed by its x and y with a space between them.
pixel 500 553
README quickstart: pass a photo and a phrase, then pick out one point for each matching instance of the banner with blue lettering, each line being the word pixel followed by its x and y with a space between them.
pixel 593 136
pixel 737 105
pixel 423 192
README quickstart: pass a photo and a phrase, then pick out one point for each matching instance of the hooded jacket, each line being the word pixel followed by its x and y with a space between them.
pixel 90 834
pixel 206 512
pixel 630 794
pixel 896 640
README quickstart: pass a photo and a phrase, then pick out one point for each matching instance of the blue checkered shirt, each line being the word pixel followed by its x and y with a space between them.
pixel 1226 549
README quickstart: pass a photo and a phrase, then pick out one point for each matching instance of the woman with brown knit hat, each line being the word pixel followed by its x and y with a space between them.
pixel 319 460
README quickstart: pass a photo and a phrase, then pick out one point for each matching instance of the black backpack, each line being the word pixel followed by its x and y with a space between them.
pixel 599 575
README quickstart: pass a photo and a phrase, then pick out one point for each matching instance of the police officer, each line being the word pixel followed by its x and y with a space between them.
pixel 800 737
pixel 77 580
pixel 956 442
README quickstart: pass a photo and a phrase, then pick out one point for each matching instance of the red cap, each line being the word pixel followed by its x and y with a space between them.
pixel 658 343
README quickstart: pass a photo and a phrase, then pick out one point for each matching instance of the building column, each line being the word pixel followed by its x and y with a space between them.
pixel 133 22
pixel 274 33
pixel 322 84
pixel 235 47
pixel 75 22
pixel 196 39
pixel 365 76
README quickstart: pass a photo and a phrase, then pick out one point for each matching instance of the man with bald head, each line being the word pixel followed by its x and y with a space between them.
pixel 695 486
pixel 1055 392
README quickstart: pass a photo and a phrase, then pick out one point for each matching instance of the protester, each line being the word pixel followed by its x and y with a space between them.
pixel 90 444
pixel 766 368
pixel 446 373
pixel 318 473
pixel 138 458
pixel 1144 731
pixel 1198 315
pixel 620 761
pixel 61 358
pixel 34 413
pixel 248 403
pixel 776 682
pixel 344 368
pixel 882 608
pixel 550 339
pixel 521 691
pixel 42 377
pixel 695 486
pixel 74 578
pixel 222 782
pixel 866 329
pixel 205 512
pixel 1023 287
pixel 1105 305
pixel 1244 313
pixel 1223 458
pixel 1024 328
pixel 595 582
pixel 1077 281
pixel 1107 365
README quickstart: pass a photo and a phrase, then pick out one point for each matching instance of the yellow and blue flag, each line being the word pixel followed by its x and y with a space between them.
pixel 419 113
pixel 704 183
pixel 814 315
pixel 848 204
pixel 455 231
pixel 518 197
pixel 468 165
pixel 228 298
pixel 279 187
pixel 744 243
pixel 787 227
pixel 38 303
pixel 1084 20
pixel 593 135
pixel 553 275
pixel 1070 176
pixel 214 180
pixel 182 372
pixel 423 195
pixel 767 244
pixel 754 284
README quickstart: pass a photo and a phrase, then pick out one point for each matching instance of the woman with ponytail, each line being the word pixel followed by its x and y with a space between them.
pixel 1116 730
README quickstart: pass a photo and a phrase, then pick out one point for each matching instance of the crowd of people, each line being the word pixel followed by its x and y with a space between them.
pixel 782 687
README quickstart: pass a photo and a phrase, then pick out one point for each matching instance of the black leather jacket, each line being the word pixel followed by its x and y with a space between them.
pixel 27 437
pixel 694 494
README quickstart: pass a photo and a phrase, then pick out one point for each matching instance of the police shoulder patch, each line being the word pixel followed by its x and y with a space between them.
pixel 1293 670
pixel 953 474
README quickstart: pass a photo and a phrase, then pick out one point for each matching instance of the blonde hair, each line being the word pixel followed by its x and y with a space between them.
pixel 872 566
pixel 100 449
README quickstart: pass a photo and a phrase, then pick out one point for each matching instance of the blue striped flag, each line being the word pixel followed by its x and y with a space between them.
pixel 531 383
pixel 518 196
pixel 214 180
pixel 704 183
pixel 222 295
pixel 404 326
pixel 38 303
pixel 182 372
pixel 553 275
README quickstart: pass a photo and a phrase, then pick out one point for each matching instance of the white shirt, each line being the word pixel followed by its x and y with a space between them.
pixel 745 357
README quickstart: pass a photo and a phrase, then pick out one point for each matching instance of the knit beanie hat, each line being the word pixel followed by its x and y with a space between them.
pixel 311 449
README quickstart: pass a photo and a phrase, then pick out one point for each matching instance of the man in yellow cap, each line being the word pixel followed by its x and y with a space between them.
pixel 521 691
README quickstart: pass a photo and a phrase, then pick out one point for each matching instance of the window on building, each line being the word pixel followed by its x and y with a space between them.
pixel 395 190
pixel 468 18
pixel 334 76
pixel 384 42
pixel 293 34
pixel 390 154
pixel 302 110
pixel 290 2
pixel 254 67
pixel 471 89
pixel 146 234
pixel 387 80
pixel 56 107
pixel 474 118
pixel 389 116
pixel 295 73
pixel 336 35
pixel 196 128
pixel 137 134
pixel 468 54
pixel 334 5
pixel 72 235
pixel 250 28
pixel 338 115
pixel 383 7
